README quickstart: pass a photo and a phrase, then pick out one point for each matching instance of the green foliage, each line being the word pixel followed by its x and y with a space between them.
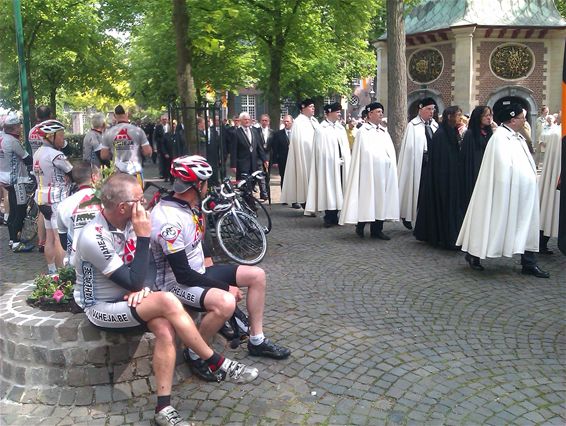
pixel 65 47
pixel 561 6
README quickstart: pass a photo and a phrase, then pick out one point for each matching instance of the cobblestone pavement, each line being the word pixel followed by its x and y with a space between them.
pixel 382 332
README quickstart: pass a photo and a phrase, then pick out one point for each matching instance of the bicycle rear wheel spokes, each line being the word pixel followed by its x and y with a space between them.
pixel 259 211
pixel 241 237
pixel 29 229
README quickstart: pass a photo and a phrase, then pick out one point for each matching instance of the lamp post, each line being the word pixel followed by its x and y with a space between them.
pixel 22 68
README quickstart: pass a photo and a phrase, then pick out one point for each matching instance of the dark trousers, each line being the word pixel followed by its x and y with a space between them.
pixel 17 215
pixel 528 259
pixel 374 227
pixel 331 217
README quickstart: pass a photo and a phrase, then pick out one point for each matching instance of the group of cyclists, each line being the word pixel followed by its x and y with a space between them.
pixel 137 270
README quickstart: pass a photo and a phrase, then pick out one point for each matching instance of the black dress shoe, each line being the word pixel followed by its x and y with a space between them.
pixel 327 224
pixel 360 231
pixel 474 262
pixel 296 205
pixel 381 236
pixel 545 250
pixel 535 270
pixel 407 224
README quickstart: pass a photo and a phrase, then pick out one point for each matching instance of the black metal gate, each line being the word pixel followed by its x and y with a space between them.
pixel 210 140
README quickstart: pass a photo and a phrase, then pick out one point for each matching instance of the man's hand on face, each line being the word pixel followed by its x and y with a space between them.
pixel 140 220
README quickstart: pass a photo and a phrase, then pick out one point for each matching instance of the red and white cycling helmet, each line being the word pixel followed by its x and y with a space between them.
pixel 50 126
pixel 188 170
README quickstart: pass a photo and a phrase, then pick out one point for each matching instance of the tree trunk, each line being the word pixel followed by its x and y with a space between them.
pixel 53 101
pixel 185 82
pixel 397 72
pixel 274 88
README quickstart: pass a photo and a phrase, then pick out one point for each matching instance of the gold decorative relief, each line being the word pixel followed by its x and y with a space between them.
pixel 511 61
pixel 425 65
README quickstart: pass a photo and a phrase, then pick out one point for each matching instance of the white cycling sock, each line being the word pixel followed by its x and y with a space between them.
pixel 257 340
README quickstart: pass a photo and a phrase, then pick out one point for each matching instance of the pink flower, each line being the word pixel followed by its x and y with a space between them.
pixel 55 278
pixel 58 295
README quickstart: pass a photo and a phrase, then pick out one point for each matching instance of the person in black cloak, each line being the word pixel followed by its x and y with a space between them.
pixel 480 129
pixel 439 216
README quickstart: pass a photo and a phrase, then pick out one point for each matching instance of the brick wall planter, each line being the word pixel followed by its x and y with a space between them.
pixel 59 358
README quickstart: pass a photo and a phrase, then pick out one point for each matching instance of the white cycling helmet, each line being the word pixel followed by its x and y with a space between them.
pixel 188 170
pixel 50 126
pixel 12 119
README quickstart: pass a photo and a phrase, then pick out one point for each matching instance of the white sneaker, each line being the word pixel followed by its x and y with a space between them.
pixel 168 416
pixel 233 371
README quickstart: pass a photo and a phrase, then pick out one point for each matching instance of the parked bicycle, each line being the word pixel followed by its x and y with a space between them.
pixel 249 203
pixel 29 229
pixel 239 234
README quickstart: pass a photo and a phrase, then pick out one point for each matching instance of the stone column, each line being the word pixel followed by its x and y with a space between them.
pixel 381 83
pixel 464 68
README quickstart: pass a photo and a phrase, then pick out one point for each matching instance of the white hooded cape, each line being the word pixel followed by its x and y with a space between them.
pixel 549 195
pixel 295 184
pixel 330 156
pixel 410 165
pixel 371 190
pixel 503 215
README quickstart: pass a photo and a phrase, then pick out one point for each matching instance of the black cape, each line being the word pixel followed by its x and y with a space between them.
pixel 439 215
pixel 471 155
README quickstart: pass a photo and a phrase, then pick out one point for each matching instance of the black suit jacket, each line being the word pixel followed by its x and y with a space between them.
pixel 266 142
pixel 279 148
pixel 244 154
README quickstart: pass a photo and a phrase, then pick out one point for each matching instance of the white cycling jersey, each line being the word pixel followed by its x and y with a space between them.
pixel 73 214
pixel 12 168
pixel 175 227
pixel 92 143
pixel 124 140
pixel 35 138
pixel 50 167
pixel 100 250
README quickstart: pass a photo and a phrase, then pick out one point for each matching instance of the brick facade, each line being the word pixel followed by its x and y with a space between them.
pixel 443 84
pixel 486 82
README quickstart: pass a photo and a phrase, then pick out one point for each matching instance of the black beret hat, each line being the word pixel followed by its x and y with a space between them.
pixel 305 103
pixel 374 105
pixel 426 102
pixel 336 106
pixel 510 111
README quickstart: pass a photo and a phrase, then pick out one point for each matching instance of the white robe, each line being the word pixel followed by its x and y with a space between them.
pixel 503 215
pixel 295 184
pixel 410 165
pixel 549 195
pixel 329 166
pixel 371 189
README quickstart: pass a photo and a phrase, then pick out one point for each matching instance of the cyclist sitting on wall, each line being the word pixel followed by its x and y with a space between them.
pixel 184 269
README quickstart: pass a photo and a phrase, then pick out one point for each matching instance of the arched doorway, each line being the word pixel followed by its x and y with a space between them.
pixel 516 94
pixel 413 102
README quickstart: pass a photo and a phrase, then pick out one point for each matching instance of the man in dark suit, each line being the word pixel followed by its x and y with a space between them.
pixel 280 146
pixel 246 150
pixel 214 155
pixel 158 135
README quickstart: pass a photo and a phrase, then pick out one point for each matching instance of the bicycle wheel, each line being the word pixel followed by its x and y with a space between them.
pixel 259 211
pixel 29 229
pixel 241 237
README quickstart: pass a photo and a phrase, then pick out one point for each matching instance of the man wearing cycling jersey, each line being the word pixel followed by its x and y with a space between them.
pixel 124 141
pixel 78 209
pixel 52 171
pixel 92 142
pixel 111 262
pixel 184 269
pixel 35 138
pixel 13 175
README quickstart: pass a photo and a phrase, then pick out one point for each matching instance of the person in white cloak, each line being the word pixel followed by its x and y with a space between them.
pixel 330 161
pixel 371 193
pixel 549 195
pixel 503 215
pixel 296 181
pixel 413 157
